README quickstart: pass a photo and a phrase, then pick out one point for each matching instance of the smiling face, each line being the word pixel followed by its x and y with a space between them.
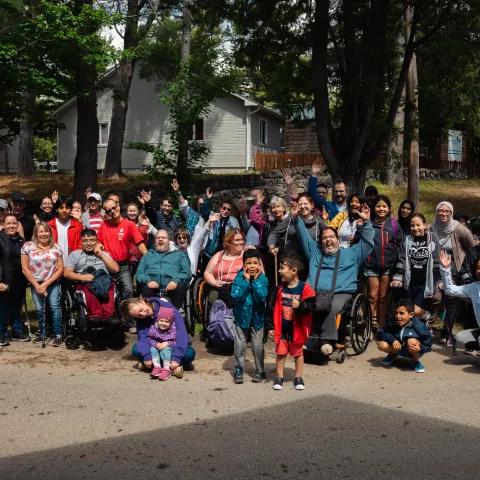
pixel 329 241
pixel 182 239
pixel 164 323
pixel 11 225
pixel 162 241
pixel 417 227
pixel 402 315
pixel 132 213
pixel 444 214
pixel 111 209
pixel 225 210
pixel 43 235
pixel 166 207
pixel 278 211
pixel 88 243
pixel 140 310
pixel 46 205
pixel 339 192
pixel 238 243
pixel 355 205
pixel 382 210
pixel 405 210
pixel 305 207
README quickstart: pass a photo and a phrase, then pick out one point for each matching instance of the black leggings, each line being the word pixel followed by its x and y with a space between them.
pixel 176 297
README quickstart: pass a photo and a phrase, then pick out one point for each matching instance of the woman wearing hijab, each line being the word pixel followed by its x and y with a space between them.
pixel 457 241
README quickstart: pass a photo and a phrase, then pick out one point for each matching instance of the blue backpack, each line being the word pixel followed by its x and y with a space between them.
pixel 221 327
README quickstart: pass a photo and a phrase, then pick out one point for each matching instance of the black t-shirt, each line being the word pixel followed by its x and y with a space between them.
pixel 418 254
pixel 28 224
pixel 288 295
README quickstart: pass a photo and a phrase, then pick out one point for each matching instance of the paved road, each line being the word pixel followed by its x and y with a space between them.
pixel 77 415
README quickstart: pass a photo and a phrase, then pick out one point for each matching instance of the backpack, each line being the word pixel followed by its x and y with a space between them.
pixel 221 327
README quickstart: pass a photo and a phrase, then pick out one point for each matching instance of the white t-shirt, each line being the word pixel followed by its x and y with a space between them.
pixel 346 232
pixel 62 230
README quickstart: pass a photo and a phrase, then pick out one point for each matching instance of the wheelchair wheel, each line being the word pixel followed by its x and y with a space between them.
pixel 197 298
pixel 341 355
pixel 360 323
pixel 188 310
pixel 71 342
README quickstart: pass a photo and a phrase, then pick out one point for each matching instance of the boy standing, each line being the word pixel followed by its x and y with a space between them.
pixel 405 335
pixel 292 319
pixel 249 291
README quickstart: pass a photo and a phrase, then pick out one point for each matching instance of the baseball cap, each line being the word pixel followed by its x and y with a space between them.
pixel 96 196
pixel 18 197
pixel 3 204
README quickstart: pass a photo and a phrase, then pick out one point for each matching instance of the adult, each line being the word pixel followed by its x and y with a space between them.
pixel 4 211
pixel 339 194
pixel 48 210
pixel 163 269
pixel 42 265
pixel 145 311
pixel 405 213
pixel 457 241
pixel 370 194
pixel 417 268
pixel 91 266
pixel 66 229
pixel 12 282
pixel 92 216
pixel 322 258
pixel 226 223
pixel 224 266
pixel 19 204
pixel 164 218
pixel 345 223
pixel 117 235
pixel 380 264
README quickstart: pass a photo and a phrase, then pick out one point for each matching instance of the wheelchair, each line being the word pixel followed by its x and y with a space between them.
pixel 354 327
pixel 81 329
pixel 199 304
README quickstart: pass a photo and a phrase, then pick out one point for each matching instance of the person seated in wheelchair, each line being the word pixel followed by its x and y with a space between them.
pixel 161 269
pixel 333 273
pixel 405 336
pixel 90 269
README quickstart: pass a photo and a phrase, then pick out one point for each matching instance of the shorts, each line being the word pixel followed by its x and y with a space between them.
pixel 372 273
pixel 417 295
pixel 284 347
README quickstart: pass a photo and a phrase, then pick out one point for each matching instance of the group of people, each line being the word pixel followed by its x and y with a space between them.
pixel 286 266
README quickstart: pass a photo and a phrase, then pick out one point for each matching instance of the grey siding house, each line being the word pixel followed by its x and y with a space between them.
pixel 235 128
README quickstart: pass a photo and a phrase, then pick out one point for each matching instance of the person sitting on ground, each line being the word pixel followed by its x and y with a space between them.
pixel 405 335
pixel 162 335
pixel 66 229
pixel 145 311
pixel 322 259
pixel 339 194
pixel 91 266
pixel 292 319
pixel 92 216
pixel 163 219
pixel 249 292
pixel 346 222
pixel 12 282
pixel 162 269
pixel 19 204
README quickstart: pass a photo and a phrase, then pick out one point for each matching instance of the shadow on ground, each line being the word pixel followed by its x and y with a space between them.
pixel 322 437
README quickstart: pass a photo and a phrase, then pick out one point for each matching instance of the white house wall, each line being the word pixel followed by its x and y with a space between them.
pixel 9 153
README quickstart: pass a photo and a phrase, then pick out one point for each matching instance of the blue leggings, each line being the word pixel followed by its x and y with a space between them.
pixel 189 356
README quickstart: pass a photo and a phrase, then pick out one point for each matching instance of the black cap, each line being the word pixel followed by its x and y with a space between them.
pixel 18 197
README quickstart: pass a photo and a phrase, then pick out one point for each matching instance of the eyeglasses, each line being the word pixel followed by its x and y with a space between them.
pixel 89 240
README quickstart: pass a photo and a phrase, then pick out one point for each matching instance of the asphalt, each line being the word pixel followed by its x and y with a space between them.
pixel 79 414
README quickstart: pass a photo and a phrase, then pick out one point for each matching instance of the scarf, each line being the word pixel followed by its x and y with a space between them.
pixel 443 230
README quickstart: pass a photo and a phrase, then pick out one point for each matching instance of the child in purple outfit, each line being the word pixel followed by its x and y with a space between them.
pixel 162 335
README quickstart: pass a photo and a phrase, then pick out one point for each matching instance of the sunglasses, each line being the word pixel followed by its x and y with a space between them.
pixel 227 209
pixel 179 237
pixel 109 211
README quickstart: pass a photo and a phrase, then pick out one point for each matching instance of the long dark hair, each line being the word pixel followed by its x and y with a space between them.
pixel 352 216
pixel 404 222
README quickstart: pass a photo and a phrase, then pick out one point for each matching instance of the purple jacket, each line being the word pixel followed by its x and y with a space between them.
pixel 143 326
pixel 156 335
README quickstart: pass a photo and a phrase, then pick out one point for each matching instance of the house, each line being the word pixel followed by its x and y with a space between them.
pixel 9 156
pixel 235 128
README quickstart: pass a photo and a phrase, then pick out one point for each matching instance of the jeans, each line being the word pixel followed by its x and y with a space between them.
pixel 124 282
pixel 10 308
pixel 54 293
pixel 160 357
pixel 188 358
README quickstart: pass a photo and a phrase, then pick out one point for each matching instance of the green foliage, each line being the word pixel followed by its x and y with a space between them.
pixel 45 149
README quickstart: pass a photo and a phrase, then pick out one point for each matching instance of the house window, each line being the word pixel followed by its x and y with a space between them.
pixel 197 131
pixel 262 137
pixel 103 133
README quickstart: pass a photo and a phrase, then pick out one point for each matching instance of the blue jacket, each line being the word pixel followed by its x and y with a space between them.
pixel 351 259
pixel 250 297
pixel 143 325
pixel 414 329
pixel 331 207
pixel 164 267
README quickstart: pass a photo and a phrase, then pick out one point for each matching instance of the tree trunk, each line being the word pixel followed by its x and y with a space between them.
pixel 411 121
pixel 121 90
pixel 394 166
pixel 26 146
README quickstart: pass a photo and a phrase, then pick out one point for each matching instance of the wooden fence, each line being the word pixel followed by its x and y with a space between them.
pixel 276 160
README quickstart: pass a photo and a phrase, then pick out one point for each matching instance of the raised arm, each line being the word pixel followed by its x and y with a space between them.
pixel 462 291
pixel 365 245
pixel 308 244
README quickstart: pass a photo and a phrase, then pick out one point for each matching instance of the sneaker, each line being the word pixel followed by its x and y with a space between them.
pixel 132 330
pixel 298 383
pixel 389 359
pixel 178 372
pixel 238 375
pixel 278 383
pixel 57 341
pixel 418 367
pixel 326 349
pixel 20 337
pixel 165 374
pixel 155 373
pixel 258 377
pixel 4 341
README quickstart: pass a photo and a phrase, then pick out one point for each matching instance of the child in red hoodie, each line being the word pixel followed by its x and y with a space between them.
pixel 292 318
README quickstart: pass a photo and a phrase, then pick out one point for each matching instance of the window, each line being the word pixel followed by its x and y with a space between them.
pixel 262 137
pixel 103 133
pixel 197 132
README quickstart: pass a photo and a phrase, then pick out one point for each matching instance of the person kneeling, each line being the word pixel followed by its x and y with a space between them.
pixel 162 335
pixel 292 318
pixel 405 336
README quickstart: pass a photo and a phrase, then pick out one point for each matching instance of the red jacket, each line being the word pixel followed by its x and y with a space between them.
pixel 74 230
pixel 302 324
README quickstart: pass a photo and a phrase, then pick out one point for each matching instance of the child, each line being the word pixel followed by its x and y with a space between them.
pixel 162 335
pixel 292 318
pixel 249 292
pixel 406 336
